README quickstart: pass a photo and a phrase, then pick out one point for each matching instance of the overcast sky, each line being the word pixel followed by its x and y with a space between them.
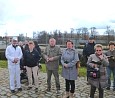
pixel 26 16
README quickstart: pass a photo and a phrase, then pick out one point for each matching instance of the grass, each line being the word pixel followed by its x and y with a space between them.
pixel 82 70
pixel 3 64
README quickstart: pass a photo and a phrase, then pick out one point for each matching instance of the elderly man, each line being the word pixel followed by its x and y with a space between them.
pixel 51 56
pixel 13 54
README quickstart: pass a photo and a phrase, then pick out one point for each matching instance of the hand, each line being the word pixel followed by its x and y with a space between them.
pixel 65 65
pixel 51 59
pixel 101 57
pixel 95 65
pixel 47 60
pixel 113 57
pixel 15 60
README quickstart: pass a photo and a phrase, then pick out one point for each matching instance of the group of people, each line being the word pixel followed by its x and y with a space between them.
pixel 97 59
pixel 18 57
pixel 69 58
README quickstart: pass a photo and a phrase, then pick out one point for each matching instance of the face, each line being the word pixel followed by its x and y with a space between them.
pixel 52 42
pixel 20 43
pixel 69 45
pixel 111 47
pixel 14 42
pixel 26 42
pixel 31 46
pixel 98 50
pixel 91 40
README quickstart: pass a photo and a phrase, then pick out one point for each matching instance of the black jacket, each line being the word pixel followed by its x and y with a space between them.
pixel 31 59
pixel 89 49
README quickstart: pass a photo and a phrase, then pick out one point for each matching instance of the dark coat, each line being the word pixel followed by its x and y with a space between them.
pixel 88 49
pixel 31 59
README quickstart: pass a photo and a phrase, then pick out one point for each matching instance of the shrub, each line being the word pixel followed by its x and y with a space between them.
pixel 2 55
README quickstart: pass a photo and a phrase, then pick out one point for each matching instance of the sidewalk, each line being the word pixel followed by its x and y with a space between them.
pixel 82 89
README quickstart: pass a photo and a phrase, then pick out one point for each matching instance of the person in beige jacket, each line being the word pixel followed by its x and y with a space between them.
pixel 100 82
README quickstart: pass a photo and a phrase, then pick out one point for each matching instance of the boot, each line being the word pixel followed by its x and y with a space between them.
pixel 71 95
pixel 66 95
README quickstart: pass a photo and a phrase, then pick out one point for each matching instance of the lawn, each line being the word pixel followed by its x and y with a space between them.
pixel 82 70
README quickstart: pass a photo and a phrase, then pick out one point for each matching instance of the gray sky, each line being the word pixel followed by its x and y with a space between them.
pixel 25 16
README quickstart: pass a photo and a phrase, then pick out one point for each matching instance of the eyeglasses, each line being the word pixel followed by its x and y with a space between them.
pixel 30 43
pixel 98 50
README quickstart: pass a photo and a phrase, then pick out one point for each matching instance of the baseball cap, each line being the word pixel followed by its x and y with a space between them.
pixel 15 39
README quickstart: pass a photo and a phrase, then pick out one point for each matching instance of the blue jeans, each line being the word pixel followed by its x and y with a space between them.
pixel 109 71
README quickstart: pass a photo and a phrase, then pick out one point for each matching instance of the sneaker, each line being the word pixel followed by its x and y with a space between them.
pixel 108 88
pixel 29 88
pixel 19 89
pixel 12 91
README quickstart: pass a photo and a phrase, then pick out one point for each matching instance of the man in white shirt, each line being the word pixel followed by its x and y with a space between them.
pixel 13 54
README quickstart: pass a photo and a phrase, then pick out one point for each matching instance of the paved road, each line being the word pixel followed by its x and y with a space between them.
pixel 82 89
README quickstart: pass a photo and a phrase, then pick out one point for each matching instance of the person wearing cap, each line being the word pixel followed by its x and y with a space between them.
pixel 89 48
pixel 111 68
pixel 13 54
pixel 31 58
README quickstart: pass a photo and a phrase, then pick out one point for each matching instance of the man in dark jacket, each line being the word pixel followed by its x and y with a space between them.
pixel 89 48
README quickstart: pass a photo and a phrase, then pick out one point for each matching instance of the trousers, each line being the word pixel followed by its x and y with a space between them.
pixel 14 76
pixel 109 71
pixel 93 89
pixel 35 75
pixel 70 83
pixel 56 76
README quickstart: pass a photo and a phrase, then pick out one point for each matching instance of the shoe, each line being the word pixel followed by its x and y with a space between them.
pixel 66 95
pixel 108 88
pixel 88 83
pixel 36 89
pixel 113 89
pixel 29 88
pixel 19 89
pixel 48 90
pixel 12 91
